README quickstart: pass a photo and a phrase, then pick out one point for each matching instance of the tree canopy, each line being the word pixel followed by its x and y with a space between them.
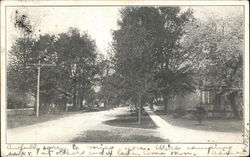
pixel 147 52
pixel 157 53
pixel 216 47
pixel 74 57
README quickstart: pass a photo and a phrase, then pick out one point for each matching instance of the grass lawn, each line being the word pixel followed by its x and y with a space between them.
pixel 125 128
pixel 24 120
pixel 115 136
pixel 222 125
pixel 131 120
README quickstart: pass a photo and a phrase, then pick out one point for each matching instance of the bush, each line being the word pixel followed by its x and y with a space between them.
pixel 16 100
pixel 178 113
pixel 200 114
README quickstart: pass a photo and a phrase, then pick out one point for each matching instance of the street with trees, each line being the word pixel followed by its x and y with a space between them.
pixel 157 53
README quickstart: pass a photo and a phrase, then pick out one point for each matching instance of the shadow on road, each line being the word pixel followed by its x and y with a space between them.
pixel 131 120
pixel 114 136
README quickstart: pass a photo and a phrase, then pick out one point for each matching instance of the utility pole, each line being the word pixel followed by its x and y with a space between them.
pixel 38 88
pixel 39 66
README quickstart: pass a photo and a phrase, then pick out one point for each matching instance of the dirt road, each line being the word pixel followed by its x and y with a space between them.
pixel 67 128
pixel 60 130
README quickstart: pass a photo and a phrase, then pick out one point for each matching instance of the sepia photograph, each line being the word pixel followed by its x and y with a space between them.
pixel 124 74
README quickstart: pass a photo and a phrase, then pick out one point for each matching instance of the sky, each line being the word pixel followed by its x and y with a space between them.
pixel 98 22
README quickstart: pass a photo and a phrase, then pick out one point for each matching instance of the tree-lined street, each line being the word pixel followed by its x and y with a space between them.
pixel 66 129
pixel 71 127
pixel 159 57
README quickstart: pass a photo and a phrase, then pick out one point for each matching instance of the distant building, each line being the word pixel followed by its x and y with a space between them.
pixel 215 103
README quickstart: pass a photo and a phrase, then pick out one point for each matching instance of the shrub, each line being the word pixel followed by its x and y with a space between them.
pixel 16 100
pixel 178 113
pixel 200 114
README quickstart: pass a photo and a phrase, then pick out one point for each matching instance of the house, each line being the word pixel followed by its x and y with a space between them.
pixel 215 103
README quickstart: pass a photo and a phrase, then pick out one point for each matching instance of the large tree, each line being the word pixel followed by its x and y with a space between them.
pixel 132 46
pixel 76 60
pixel 20 78
pixel 173 71
pixel 74 57
pixel 217 49
pixel 148 55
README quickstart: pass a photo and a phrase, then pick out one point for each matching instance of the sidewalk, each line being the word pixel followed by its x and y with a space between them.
pixel 183 135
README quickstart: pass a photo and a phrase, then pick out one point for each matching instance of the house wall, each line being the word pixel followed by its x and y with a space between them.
pixel 188 101
pixel 215 105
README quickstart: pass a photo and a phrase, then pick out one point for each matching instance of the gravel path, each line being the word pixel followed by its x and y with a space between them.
pixel 184 135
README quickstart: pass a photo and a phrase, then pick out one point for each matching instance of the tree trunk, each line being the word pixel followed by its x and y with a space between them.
pixel 66 107
pixel 74 98
pixel 79 95
pixel 165 101
pixel 231 98
pixel 106 104
pixel 136 107
pixel 140 108
pixel 151 106
pixel 78 99
pixel 81 99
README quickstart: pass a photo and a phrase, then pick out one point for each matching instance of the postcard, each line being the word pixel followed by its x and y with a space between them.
pixel 124 78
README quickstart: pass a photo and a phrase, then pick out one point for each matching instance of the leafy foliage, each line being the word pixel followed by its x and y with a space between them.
pixel 157 53
pixel 74 58
pixel 217 46
pixel 148 57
